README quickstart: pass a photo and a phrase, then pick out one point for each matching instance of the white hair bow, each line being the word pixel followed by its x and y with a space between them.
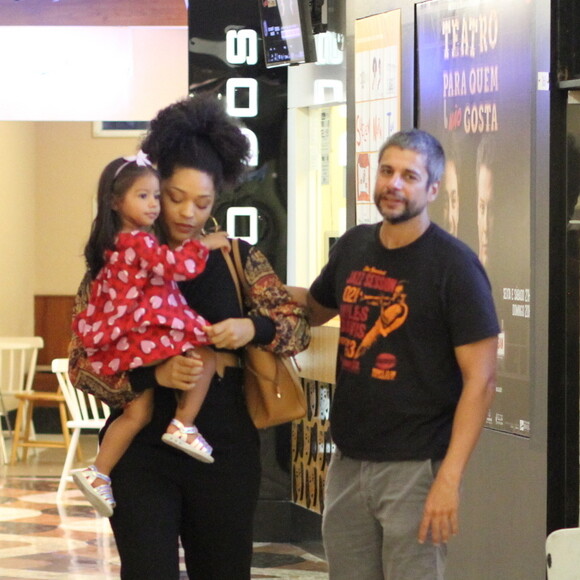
pixel 140 159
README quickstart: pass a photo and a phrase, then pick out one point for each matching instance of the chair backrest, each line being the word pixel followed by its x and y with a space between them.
pixel 18 355
pixel 82 406
pixel 563 554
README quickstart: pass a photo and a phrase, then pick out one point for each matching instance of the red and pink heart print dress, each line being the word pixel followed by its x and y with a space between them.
pixel 136 314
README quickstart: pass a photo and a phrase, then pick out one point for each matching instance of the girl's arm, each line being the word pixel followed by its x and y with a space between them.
pixel 217 240
pixel 182 263
pixel 189 259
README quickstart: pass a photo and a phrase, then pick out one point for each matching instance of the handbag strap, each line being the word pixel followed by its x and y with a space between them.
pixel 234 273
pixel 239 268
pixel 239 277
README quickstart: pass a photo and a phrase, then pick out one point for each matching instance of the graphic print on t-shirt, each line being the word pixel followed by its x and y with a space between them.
pixel 373 306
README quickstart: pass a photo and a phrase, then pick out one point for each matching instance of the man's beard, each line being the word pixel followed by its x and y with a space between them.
pixel 408 213
pixel 403 217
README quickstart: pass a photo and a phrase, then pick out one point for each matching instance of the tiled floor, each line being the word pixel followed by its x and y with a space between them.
pixel 41 540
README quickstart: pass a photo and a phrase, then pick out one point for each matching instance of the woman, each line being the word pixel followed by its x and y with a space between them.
pixel 162 495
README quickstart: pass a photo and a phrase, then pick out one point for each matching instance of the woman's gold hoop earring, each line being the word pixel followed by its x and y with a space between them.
pixel 213 227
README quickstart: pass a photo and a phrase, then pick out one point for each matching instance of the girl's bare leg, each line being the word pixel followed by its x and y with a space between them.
pixel 121 432
pixel 190 402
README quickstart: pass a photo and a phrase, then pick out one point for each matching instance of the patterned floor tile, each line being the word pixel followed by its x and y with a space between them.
pixel 43 540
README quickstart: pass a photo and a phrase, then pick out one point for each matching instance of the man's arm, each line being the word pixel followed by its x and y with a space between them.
pixel 477 362
pixel 317 314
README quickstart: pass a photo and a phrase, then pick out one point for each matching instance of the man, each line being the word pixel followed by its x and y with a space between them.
pixel 485 195
pixel 415 374
pixel 451 211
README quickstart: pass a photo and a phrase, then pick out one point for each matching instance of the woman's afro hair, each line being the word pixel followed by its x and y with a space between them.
pixel 197 133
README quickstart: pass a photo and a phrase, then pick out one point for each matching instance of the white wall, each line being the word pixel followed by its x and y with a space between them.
pixel 69 162
pixel 17 228
pixel 49 161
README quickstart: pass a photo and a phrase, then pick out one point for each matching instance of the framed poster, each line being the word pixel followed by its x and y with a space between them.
pixel 475 83
pixel 377 100
pixel 120 128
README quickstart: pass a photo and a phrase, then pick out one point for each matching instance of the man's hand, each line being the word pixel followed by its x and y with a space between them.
pixel 440 516
pixel 179 372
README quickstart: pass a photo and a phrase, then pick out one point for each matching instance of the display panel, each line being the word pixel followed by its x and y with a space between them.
pixel 286 32
pixel 228 61
pixel 568 43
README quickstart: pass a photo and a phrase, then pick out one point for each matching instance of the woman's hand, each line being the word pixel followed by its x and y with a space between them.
pixel 231 333
pixel 179 372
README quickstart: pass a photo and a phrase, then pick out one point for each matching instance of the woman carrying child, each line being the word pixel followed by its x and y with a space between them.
pixel 137 316
pixel 164 498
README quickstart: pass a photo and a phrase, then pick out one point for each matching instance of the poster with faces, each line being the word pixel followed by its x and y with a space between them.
pixel 475 83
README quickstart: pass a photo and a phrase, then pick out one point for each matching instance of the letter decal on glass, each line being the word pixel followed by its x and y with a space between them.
pixel 237 228
pixel 242 46
pixel 242 97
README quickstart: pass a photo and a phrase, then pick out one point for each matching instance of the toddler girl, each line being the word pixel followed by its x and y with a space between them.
pixel 137 316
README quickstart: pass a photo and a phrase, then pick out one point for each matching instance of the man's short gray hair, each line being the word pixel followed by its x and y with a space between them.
pixel 423 143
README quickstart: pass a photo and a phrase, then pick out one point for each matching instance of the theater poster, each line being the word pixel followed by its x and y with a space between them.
pixel 475 83
pixel 377 100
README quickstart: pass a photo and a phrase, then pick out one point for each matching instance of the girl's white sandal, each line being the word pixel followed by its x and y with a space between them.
pixel 100 497
pixel 199 448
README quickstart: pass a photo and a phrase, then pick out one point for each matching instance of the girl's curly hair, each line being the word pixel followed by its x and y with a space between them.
pixel 197 133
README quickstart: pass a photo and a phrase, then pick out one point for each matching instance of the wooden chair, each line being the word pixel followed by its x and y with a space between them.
pixel 24 434
pixel 18 356
pixel 86 414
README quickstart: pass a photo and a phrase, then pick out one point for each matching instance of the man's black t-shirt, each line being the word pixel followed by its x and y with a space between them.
pixel 402 313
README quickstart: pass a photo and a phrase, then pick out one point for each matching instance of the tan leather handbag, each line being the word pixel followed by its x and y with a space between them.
pixel 272 387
